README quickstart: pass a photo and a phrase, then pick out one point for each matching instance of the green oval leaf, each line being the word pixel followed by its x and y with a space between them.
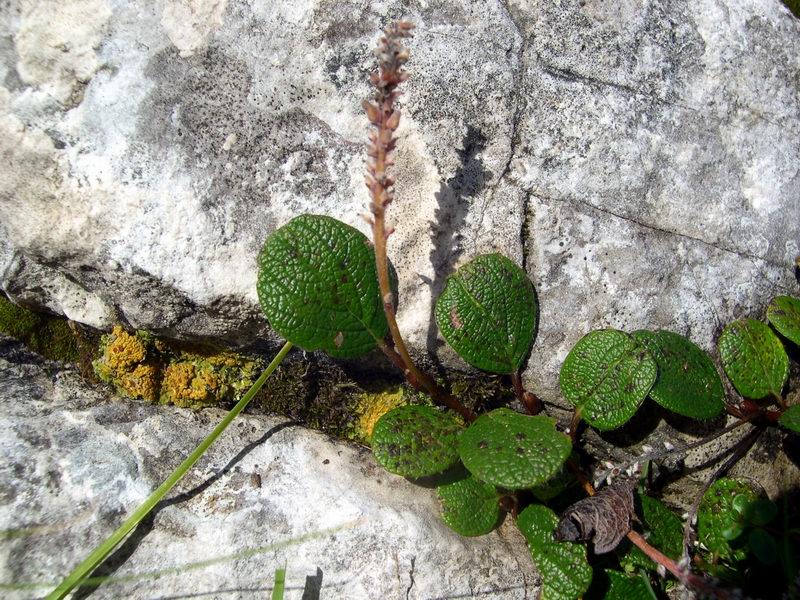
pixel 566 574
pixel 318 287
pixel 760 512
pixel 763 546
pixel 416 441
pixel 753 358
pixel 487 313
pixel 784 314
pixel 607 375
pixel 513 451
pixel 718 521
pixel 625 587
pixel 687 382
pixel 790 419
pixel 666 534
pixel 469 507
pixel 556 485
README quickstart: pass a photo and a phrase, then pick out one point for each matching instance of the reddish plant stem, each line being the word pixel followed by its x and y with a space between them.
pixel 742 446
pixel 529 400
pixel 574 424
pixel 386 118
pixel 750 411
pixel 685 576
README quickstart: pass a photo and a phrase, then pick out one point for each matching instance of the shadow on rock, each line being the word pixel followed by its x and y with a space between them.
pixel 450 215
pixel 118 558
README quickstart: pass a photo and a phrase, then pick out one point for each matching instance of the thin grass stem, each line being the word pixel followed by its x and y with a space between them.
pixel 83 570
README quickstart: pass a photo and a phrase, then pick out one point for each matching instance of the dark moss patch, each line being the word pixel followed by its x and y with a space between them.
pixel 318 394
pixel 52 337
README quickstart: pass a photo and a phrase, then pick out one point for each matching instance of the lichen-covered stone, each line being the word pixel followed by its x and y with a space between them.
pixel 139 365
pixel 268 491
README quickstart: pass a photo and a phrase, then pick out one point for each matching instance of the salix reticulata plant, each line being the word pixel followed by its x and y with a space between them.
pixel 324 286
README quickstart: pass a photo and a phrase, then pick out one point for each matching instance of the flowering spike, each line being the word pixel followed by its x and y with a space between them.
pixel 373 114
pixel 394 120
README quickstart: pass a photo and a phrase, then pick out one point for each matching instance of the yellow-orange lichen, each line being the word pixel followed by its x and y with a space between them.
pixel 372 406
pixel 186 385
pixel 141 382
pixel 124 364
pixel 124 350
pixel 188 375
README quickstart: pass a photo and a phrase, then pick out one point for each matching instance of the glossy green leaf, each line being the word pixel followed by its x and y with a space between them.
pixel 469 507
pixel 741 503
pixel 790 419
pixel 318 287
pixel 665 533
pixel 626 587
pixel 556 485
pixel 416 441
pixel 487 313
pixel 763 546
pixel 760 512
pixel 566 574
pixel 753 358
pixel 784 314
pixel 513 451
pixel 607 375
pixel 718 521
pixel 687 382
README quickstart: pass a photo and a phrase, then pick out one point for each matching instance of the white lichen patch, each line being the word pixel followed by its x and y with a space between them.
pixel 762 184
pixel 190 23
pixel 56 44
pixel 30 180
pixel 168 238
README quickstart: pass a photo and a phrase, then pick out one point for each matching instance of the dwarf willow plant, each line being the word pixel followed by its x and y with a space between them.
pixel 323 285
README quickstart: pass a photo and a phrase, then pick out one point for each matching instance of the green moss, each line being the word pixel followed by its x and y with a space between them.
pixel 50 336
pixel 319 394
pixel 794 6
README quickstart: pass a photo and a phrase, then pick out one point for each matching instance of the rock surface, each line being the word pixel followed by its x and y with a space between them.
pixel 640 159
pixel 267 494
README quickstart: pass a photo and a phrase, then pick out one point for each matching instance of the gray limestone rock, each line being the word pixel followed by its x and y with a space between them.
pixel 267 494
pixel 640 159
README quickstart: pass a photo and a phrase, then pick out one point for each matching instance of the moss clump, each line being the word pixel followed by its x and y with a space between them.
pixel 483 393
pixel 318 393
pixel 371 407
pixel 128 362
pixel 47 335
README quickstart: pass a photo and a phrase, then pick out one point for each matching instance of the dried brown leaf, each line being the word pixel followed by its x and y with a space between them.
pixel 604 518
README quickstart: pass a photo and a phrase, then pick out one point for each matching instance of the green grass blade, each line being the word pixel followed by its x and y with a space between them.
pixel 101 552
pixel 244 554
pixel 280 584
